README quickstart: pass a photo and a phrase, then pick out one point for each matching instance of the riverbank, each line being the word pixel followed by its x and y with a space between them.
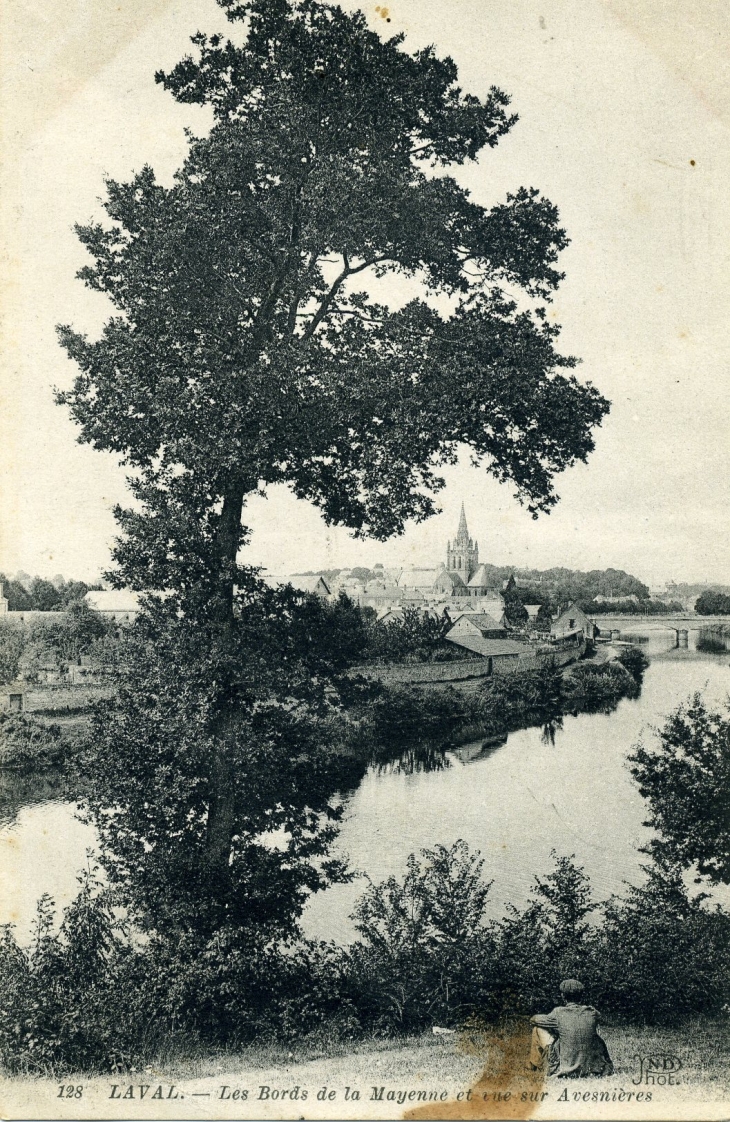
pixel 439 720
pixel 432 1064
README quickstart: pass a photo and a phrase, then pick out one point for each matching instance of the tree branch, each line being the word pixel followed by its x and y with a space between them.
pixel 324 307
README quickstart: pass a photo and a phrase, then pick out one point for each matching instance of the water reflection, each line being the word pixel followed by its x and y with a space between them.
pixel 417 757
pixel 550 728
pixel 22 789
pixel 561 785
pixel 714 640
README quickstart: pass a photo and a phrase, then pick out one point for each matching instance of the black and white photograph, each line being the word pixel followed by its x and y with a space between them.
pixel 365 559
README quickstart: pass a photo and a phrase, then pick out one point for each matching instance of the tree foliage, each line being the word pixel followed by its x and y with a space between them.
pixel 713 604
pixel 249 346
pixel 242 354
pixel 685 776
pixel 154 793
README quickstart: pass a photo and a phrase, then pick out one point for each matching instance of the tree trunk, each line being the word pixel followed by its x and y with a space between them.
pixel 221 803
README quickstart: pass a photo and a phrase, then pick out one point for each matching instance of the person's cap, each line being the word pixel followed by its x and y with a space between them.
pixel 571 987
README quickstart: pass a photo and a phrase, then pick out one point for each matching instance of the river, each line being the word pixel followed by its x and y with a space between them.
pixel 515 803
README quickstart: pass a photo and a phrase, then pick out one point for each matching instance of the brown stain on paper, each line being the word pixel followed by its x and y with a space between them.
pixel 505 1089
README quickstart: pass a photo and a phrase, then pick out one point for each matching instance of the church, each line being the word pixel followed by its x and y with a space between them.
pixel 462 575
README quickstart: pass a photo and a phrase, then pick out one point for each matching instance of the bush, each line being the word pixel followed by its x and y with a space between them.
pixel 425 955
pixel 662 957
pixel 401 714
pixel 598 687
pixel 685 776
pixel 27 743
pixel 713 604
pixel 89 998
pixel 635 661
pixel 547 941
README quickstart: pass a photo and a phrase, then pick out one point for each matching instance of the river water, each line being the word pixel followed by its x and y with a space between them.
pixel 515 803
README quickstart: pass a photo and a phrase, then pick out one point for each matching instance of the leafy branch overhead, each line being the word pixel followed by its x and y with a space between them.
pixel 248 346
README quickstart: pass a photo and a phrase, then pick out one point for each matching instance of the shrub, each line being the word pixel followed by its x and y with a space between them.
pixel 685 776
pixel 662 957
pixel 548 940
pixel 713 604
pixel 599 686
pixel 635 661
pixel 425 955
pixel 62 1008
pixel 25 742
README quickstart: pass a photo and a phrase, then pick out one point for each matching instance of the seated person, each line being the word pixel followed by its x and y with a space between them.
pixel 569 1038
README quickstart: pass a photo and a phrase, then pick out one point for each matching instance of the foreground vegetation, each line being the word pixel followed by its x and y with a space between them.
pixel 90 997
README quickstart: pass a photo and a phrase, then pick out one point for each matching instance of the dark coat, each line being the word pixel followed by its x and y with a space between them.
pixel 577 1048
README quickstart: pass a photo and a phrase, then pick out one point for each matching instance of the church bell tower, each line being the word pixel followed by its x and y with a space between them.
pixel 463 556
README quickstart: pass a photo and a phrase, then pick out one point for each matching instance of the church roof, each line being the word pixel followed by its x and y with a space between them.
pixel 315 583
pixel 481 580
pixel 417 578
pixel 452 577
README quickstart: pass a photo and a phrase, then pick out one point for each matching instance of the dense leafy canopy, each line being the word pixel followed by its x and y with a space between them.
pixel 712 603
pixel 685 777
pixel 252 343
pixel 242 352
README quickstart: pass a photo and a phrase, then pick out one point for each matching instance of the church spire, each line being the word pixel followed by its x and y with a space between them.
pixel 462 535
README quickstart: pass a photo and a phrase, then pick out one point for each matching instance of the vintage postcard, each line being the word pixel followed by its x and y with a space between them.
pixel 364 559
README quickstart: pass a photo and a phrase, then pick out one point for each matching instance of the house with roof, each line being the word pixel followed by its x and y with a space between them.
pixel 314 583
pixel 391 615
pixel 413 598
pixel 503 655
pixel 420 578
pixel 379 594
pixel 572 620
pixel 481 586
pixel 120 604
pixel 473 627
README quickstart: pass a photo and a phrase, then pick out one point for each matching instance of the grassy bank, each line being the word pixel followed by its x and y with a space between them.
pixel 452 1062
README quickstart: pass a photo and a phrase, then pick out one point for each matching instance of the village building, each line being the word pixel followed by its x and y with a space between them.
pixel 450 583
pixel 413 598
pixel 572 620
pixel 471 628
pixel 3 602
pixel 391 615
pixel 421 578
pixel 121 605
pixel 484 637
pixel 380 594
pixel 315 584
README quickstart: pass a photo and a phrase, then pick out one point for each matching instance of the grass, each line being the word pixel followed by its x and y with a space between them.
pixel 702 1046
pixel 482 1064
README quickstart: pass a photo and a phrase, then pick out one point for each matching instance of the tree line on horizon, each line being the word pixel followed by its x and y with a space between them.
pixel 36 594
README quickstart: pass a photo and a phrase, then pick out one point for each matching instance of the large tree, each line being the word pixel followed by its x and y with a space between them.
pixel 252 341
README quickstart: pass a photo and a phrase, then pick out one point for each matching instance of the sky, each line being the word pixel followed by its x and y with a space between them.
pixel 624 114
